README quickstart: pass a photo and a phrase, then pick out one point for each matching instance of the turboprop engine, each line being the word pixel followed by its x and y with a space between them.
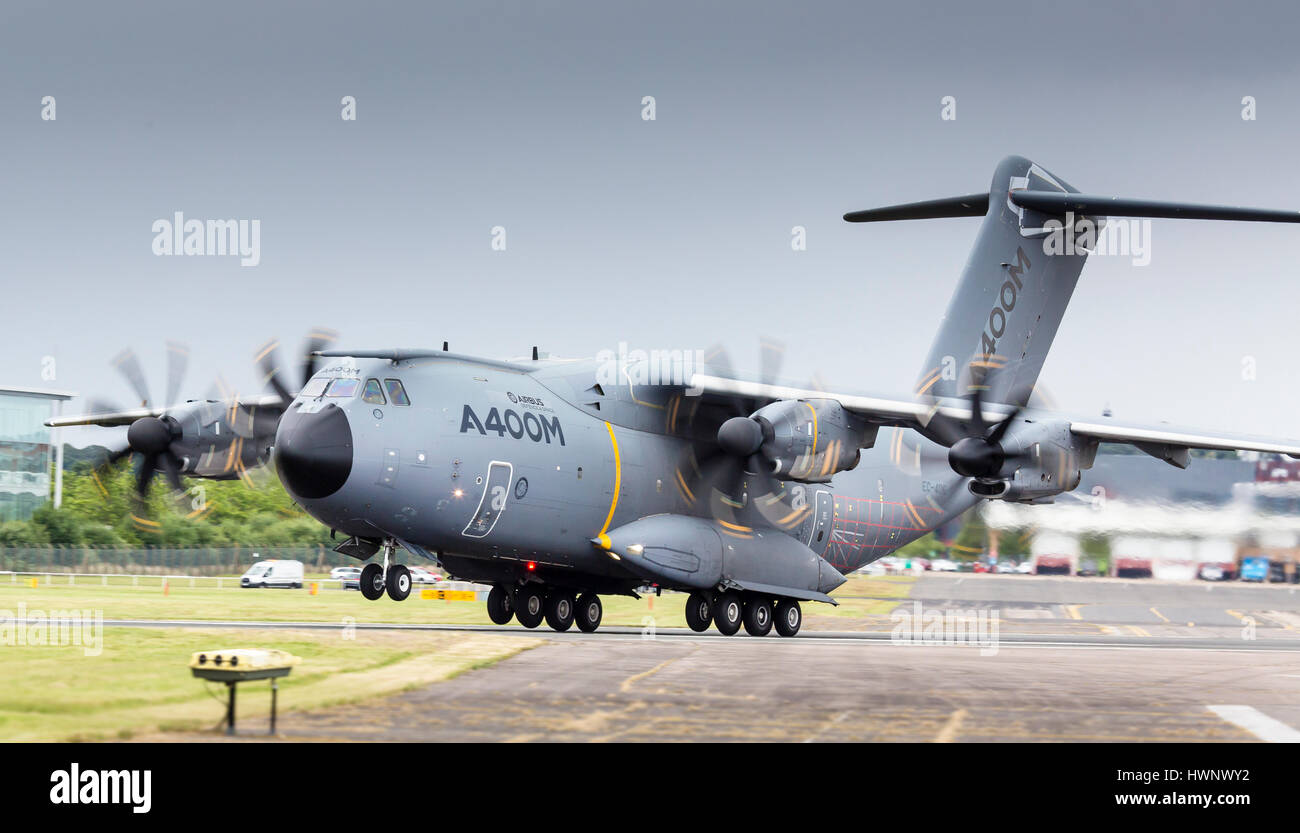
pixel 808 440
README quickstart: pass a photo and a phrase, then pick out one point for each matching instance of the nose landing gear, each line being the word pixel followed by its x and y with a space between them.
pixel 394 578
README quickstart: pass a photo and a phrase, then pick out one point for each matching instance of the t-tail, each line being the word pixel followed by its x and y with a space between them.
pixel 1021 273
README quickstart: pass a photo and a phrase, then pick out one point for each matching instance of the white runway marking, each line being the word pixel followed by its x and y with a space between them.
pixel 1257 723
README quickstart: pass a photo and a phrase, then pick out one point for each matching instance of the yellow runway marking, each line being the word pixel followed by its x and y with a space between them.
pixel 1073 611
pixel 950 729
pixel 1137 631
pixel 636 678
pixel 1163 618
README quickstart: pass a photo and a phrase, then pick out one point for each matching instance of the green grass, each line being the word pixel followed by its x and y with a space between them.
pixel 141 681
pixel 860 595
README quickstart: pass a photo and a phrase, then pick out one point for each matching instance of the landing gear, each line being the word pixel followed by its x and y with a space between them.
pixel 530 606
pixel 499 606
pixel 727 613
pixel 699 612
pixel 758 616
pixel 589 612
pixel 559 610
pixel 789 617
pixel 372 581
pixel 398 581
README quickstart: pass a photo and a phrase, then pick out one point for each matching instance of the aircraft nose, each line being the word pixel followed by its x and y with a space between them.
pixel 313 451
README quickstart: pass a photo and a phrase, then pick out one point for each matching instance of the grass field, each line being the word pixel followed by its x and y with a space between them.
pixel 860 596
pixel 141 682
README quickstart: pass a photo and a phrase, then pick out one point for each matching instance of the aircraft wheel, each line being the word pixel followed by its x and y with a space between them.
pixel 789 617
pixel 499 607
pixel 559 610
pixel 530 605
pixel 589 612
pixel 727 613
pixel 758 616
pixel 398 581
pixel 371 583
pixel 699 612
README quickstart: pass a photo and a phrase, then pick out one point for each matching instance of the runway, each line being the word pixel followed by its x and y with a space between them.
pixel 824 690
pixel 1066 660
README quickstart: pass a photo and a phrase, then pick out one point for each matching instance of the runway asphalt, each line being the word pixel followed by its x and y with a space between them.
pixel 1075 660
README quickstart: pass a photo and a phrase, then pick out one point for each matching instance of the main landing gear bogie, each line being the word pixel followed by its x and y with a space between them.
pixel 533 604
pixel 729 611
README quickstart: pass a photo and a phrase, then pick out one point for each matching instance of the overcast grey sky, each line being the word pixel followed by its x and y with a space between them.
pixel 672 233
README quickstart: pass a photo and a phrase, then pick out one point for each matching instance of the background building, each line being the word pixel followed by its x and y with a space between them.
pixel 28 450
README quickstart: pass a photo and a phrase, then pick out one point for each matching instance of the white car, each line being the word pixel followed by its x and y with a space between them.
pixel 1025 568
pixel 273 574
pixel 421 575
pixel 343 572
pixel 943 565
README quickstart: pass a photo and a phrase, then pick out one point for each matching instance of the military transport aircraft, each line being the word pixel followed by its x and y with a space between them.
pixel 555 485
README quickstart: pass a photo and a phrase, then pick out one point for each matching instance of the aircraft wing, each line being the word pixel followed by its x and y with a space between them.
pixel 105 419
pixel 1171 444
pixel 1165 442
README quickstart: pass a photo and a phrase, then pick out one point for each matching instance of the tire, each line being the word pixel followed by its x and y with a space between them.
pixel 559 611
pixel 758 616
pixel 500 608
pixel 398 581
pixel 371 583
pixel 530 606
pixel 589 612
pixel 728 613
pixel 789 617
pixel 699 612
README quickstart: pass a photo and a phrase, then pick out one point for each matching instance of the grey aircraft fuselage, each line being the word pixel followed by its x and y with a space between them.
pixel 502 469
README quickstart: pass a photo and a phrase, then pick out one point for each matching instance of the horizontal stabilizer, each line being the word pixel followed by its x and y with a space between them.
pixel 1057 203
pixel 971 205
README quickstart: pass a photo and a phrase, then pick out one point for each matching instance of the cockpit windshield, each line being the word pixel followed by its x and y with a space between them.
pixel 314 387
pixel 343 388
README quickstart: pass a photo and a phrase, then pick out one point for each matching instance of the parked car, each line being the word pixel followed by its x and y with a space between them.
pixel 1255 568
pixel 273 574
pixel 943 565
pixel 350 577
pixel 1086 568
pixel 1025 568
pixel 421 575
pixel 1006 567
pixel 1212 572
pixel 982 567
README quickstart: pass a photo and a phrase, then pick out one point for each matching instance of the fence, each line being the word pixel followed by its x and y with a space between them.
pixel 199 561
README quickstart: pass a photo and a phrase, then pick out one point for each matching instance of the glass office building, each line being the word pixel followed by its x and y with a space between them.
pixel 30 462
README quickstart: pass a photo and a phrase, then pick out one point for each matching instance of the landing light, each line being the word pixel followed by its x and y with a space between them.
pixel 636 549
pixel 458 493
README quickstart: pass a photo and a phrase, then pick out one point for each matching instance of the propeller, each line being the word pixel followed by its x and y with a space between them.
pixel 268 362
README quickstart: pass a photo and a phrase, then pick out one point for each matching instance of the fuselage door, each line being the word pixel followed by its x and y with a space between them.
pixel 819 536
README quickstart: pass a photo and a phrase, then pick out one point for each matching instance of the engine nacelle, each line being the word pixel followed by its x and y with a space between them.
pixel 810 440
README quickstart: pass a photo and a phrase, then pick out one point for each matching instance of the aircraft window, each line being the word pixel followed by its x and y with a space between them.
pixel 373 393
pixel 343 388
pixel 314 387
pixel 396 393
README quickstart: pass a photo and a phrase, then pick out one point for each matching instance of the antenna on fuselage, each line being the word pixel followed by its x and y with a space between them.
pixel 534 352
pixel 444 347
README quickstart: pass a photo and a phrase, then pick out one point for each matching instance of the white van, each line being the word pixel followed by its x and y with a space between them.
pixel 273 574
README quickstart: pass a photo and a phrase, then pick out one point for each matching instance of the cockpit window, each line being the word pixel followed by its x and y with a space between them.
pixel 396 393
pixel 343 388
pixel 314 387
pixel 373 394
